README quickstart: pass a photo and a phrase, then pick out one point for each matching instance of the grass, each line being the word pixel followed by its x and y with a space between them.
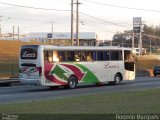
pixel 141 102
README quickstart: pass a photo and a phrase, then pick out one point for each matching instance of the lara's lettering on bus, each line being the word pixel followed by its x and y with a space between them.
pixel 110 66
pixel 26 54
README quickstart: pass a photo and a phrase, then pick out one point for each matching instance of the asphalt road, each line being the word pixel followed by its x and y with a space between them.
pixel 32 93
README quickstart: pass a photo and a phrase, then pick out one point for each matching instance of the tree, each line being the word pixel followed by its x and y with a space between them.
pixel 148 29
pixel 157 30
pixel 126 38
pixel 123 39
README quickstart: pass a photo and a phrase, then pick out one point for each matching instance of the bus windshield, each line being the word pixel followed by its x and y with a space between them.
pixel 129 60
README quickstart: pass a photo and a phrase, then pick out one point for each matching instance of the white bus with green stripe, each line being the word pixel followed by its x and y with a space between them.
pixel 69 66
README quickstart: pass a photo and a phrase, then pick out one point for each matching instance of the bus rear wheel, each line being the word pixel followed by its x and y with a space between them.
pixel 72 82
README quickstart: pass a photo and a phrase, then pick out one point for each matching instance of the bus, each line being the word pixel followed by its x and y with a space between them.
pixel 68 66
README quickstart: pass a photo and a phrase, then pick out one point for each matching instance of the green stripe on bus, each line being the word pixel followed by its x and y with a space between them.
pixel 59 72
pixel 89 77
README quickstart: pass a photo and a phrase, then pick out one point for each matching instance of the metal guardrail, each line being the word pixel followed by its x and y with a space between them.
pixel 3 80
pixel 9 81
pixel 9 70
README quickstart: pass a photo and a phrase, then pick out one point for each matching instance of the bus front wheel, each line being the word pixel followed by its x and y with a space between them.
pixel 117 79
pixel 72 82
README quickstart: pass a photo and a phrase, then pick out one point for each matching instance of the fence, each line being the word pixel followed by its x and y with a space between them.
pixel 145 65
pixel 9 70
pixel 9 52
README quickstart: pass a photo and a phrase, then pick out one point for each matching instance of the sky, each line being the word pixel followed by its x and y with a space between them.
pixel 105 17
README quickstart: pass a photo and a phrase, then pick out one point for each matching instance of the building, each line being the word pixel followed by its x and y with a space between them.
pixel 136 51
pixel 63 38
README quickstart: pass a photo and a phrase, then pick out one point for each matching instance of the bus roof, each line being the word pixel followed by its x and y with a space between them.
pixel 52 47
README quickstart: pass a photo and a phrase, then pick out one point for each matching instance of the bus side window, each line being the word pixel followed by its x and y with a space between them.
pixel 106 55
pixel 100 55
pixel 77 56
pixel 55 56
pixel 120 55
pixel 94 56
pixel 116 55
pixel 61 56
pixel 45 56
pixel 88 55
pixel 84 56
pixel 48 56
pixel 69 56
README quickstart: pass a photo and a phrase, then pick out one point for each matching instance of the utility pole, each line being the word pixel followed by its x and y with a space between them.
pixel 0 31
pixel 72 23
pixel 13 32
pixel 140 40
pixel 77 23
pixel 52 31
pixel 133 40
pixel 150 44
pixel 18 32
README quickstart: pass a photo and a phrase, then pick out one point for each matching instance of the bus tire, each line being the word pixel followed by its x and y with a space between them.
pixel 117 79
pixel 72 82
pixel 155 75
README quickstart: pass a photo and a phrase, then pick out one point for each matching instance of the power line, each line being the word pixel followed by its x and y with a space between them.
pixel 124 7
pixel 33 7
pixel 153 36
pixel 64 10
pixel 104 20
pixel 5 22
pixel 32 20
pixel 102 23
